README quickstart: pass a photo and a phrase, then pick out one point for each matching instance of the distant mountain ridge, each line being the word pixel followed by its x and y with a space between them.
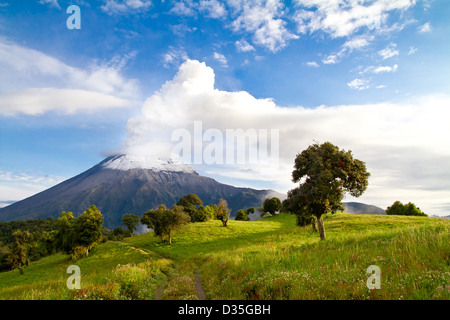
pixel 116 187
pixel 361 208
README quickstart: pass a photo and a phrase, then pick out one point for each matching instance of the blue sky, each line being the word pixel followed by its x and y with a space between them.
pixel 370 76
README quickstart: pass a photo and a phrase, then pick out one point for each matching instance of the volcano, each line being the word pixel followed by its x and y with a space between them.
pixel 119 185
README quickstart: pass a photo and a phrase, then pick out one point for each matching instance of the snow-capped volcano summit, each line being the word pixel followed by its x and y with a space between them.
pixel 126 162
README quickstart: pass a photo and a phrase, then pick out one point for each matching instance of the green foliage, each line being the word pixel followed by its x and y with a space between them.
pixel 269 258
pixel 18 256
pixel 130 221
pixel 117 234
pixel 43 232
pixel 325 173
pixel 203 214
pixel 165 221
pixel 130 278
pixel 77 236
pixel 223 213
pixel 189 204
pixel 270 207
pixel 65 226
pixel 88 228
pixel 400 209
pixel 35 227
pixel 242 215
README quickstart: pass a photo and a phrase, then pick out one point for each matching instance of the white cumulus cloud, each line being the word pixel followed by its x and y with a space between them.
pixel 401 143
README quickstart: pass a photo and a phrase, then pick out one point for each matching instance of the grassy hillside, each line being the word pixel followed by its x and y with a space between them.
pixel 269 258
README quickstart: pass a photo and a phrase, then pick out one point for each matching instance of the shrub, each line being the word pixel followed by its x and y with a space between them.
pixel 130 277
pixel 400 209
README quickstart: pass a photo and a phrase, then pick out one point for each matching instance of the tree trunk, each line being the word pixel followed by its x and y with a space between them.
pixel 321 228
pixel 170 238
pixel 313 223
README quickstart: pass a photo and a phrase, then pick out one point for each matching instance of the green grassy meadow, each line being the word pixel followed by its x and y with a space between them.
pixel 270 258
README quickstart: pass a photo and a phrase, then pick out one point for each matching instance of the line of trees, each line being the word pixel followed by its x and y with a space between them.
pixel 189 208
pixel 75 236
pixel 408 209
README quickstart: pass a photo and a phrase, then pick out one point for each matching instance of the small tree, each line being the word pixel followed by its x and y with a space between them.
pixel 164 222
pixel 65 227
pixel 203 214
pixel 87 230
pixel 189 203
pixel 130 221
pixel 223 213
pixel 117 234
pixel 154 219
pixel 242 215
pixel 250 210
pixel 18 255
pixel 270 207
pixel 175 219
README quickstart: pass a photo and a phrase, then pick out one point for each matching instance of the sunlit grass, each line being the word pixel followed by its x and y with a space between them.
pixel 270 258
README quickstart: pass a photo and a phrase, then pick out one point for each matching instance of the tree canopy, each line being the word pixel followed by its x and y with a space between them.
pixel 401 209
pixel 242 215
pixel 223 213
pixel 130 221
pixel 324 174
pixel 189 204
pixel 165 221
pixel 18 256
pixel 270 206
pixel 77 236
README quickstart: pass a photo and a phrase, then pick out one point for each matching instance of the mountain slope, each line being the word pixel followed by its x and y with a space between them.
pixel 361 208
pixel 129 190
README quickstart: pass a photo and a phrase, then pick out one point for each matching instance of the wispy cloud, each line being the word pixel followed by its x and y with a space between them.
pixel 354 44
pixel 380 69
pixel 221 59
pixel 312 64
pixel 389 52
pixel 425 28
pixel 345 18
pixel 412 50
pixel 35 83
pixel 243 46
pixel 212 8
pixel 264 21
pixel 183 8
pixel 358 84
pixel 118 7
pixel 15 186
pixel 174 57
pixel 51 3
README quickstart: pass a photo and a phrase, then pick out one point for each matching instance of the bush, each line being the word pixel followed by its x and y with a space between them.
pixel 131 278
pixel 203 214
pixel 78 252
pixel 242 215
pixel 400 209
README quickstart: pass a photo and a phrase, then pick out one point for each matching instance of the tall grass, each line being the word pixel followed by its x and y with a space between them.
pixel 414 263
pixel 270 258
pixel 102 275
